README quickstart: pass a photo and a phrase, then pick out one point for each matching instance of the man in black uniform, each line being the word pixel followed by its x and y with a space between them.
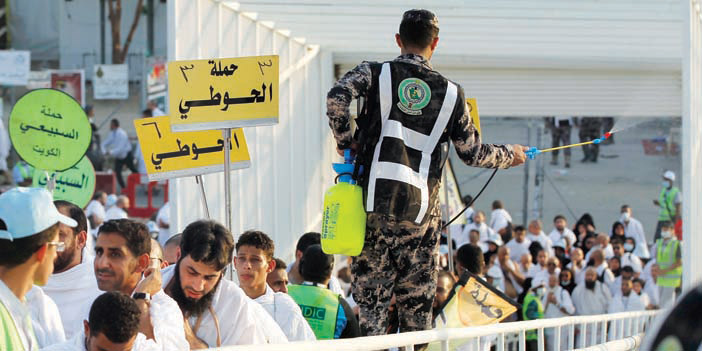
pixel 410 110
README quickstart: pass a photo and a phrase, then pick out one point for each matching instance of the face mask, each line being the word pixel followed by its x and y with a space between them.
pixel 565 283
pixel 666 184
pixel 624 217
pixel 590 284
pixel 666 234
pixel 628 247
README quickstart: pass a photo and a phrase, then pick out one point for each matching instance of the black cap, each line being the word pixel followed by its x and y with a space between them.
pixel 315 265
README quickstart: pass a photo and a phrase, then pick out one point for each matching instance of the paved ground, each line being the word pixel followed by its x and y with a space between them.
pixel 627 176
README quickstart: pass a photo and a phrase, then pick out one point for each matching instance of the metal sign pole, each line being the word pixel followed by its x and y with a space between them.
pixel 227 135
pixel 198 180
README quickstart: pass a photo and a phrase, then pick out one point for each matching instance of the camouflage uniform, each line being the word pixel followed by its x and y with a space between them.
pixel 400 254
pixel 590 129
pixel 560 135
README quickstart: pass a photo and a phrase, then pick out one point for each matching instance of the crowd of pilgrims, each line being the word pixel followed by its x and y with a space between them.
pixel 117 287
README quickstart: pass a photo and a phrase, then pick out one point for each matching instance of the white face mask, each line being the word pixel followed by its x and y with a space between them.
pixel 666 184
pixel 624 217
pixel 666 234
pixel 628 247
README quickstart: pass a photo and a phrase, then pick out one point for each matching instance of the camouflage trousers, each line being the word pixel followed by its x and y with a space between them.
pixel 398 258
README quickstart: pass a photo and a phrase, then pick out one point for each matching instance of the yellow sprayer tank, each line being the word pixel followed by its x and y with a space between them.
pixel 344 218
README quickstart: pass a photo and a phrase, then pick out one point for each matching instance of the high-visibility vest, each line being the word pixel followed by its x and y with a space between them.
pixel 319 307
pixel 9 335
pixel 665 257
pixel 529 299
pixel 667 204
pixel 410 110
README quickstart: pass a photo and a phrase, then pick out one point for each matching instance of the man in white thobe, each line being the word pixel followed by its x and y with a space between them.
pixel 499 218
pixel 536 234
pixel 557 303
pixel 591 298
pixel 561 230
pixel 122 259
pixel 519 245
pixel 216 311
pixel 253 261
pixel 72 286
pixel 634 229
pixel 479 225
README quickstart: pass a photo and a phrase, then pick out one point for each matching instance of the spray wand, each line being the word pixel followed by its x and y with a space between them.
pixel 532 152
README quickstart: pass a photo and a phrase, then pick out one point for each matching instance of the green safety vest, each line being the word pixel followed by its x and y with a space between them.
pixel 665 257
pixel 319 307
pixel 667 202
pixel 528 299
pixel 10 338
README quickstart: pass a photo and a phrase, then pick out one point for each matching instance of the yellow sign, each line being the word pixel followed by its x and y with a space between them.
pixel 474 303
pixel 472 106
pixel 223 93
pixel 172 155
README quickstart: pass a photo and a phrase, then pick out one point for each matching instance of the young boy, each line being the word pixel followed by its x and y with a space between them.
pixel 28 246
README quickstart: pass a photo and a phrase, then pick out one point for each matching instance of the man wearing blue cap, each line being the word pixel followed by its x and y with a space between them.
pixel 28 246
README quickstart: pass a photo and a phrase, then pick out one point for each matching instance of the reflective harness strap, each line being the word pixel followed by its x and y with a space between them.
pixel 412 139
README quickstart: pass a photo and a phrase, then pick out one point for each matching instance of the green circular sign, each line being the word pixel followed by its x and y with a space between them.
pixel 49 129
pixel 75 185
pixel 414 95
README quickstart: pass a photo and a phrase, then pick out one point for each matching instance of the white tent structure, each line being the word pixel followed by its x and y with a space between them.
pixel 535 58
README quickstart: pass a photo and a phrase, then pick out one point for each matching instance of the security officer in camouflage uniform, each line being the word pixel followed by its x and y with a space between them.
pixel 560 135
pixel 410 110
pixel 590 129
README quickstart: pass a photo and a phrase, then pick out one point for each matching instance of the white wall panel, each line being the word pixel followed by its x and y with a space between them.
pixel 692 143
pixel 281 194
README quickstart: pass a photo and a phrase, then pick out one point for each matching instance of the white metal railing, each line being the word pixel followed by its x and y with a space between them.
pixel 607 327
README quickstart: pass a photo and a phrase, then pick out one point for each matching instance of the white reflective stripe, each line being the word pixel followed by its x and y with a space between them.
pixel 411 138
pixel 400 173
pixel 385 90
pixel 432 140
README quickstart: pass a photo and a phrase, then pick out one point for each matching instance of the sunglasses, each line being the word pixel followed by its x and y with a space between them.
pixel 60 245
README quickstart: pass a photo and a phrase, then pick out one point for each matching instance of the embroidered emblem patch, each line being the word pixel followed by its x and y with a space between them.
pixel 414 95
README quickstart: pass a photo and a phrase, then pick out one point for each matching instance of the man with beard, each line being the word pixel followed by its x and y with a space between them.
pixel 113 324
pixel 121 258
pixel 591 298
pixel 72 286
pixel 253 261
pixel 215 310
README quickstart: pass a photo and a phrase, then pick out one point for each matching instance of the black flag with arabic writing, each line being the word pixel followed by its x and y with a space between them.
pixel 473 302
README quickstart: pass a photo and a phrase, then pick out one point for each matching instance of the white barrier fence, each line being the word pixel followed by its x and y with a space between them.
pixel 617 328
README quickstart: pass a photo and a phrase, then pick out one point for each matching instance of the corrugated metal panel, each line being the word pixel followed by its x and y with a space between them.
pixel 281 194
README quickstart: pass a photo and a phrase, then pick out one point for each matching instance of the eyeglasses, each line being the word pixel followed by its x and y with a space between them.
pixel 60 245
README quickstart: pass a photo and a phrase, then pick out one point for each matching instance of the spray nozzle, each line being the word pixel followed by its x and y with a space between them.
pixel 532 152
pixel 607 135
pixel 345 170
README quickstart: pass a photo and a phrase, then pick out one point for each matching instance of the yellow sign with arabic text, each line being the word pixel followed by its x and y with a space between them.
pixel 223 93
pixel 172 155
pixel 473 302
pixel 472 105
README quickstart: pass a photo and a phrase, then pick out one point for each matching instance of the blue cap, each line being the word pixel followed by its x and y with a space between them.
pixel 29 211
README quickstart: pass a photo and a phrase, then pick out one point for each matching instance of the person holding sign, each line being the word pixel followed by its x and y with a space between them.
pixel 118 145
pixel 410 110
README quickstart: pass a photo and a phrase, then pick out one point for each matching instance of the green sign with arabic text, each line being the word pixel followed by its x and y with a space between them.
pixel 75 185
pixel 49 129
